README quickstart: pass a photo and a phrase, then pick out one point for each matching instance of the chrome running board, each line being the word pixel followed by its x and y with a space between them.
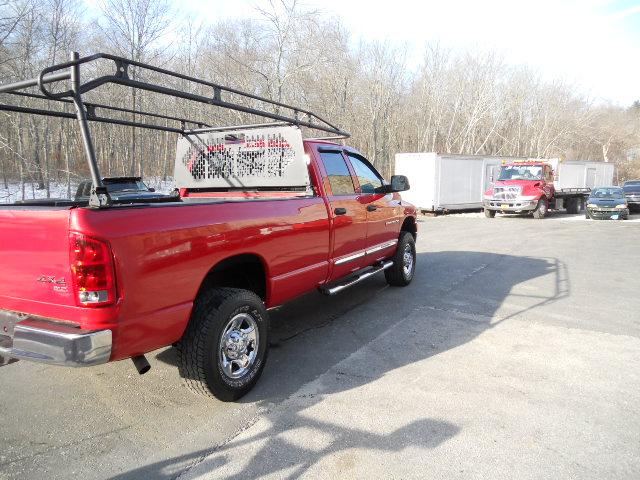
pixel 350 281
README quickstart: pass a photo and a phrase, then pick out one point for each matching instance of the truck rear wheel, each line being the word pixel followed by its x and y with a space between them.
pixel 403 269
pixel 579 205
pixel 224 349
pixel 541 209
pixel 489 213
pixel 574 205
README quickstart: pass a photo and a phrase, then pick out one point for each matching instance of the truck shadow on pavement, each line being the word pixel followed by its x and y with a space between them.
pixel 328 346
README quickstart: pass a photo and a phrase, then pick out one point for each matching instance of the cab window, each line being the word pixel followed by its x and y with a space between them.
pixel 369 179
pixel 338 173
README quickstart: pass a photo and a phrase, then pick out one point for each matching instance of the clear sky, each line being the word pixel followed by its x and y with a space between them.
pixel 595 43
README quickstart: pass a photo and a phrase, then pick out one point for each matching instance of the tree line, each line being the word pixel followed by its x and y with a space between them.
pixel 467 102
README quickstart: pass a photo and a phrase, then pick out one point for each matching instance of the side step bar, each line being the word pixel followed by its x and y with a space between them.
pixel 357 279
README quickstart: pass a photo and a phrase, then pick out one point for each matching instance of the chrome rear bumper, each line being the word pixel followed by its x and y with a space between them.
pixel 46 341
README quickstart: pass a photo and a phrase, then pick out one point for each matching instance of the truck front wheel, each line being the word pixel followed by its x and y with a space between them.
pixel 541 209
pixel 403 269
pixel 489 213
pixel 224 349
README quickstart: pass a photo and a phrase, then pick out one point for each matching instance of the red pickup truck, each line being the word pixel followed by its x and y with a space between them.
pixel 82 284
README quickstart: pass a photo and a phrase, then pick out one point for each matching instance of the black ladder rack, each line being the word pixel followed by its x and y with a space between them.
pixel 86 112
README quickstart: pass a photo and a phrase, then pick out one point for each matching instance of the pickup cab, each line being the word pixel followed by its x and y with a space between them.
pixel 81 285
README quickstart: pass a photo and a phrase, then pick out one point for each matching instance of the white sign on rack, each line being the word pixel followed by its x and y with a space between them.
pixel 250 158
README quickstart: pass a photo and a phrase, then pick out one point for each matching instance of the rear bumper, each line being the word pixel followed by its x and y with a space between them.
pixel 511 205
pixel 47 341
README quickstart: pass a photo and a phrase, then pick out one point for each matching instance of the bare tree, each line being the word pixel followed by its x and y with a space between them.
pixel 134 28
pixel 470 102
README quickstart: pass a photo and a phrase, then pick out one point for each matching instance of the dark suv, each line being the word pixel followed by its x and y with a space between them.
pixel 632 194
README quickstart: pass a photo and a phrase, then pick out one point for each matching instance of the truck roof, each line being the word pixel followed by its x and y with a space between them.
pixel 525 162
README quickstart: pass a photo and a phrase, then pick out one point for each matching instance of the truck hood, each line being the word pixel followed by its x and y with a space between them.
pixel 606 202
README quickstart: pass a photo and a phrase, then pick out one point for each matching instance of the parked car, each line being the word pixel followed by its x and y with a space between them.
pixel 263 217
pixel 120 188
pixel 607 202
pixel 632 193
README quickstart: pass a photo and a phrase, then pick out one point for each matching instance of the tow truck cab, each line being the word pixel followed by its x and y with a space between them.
pixel 520 186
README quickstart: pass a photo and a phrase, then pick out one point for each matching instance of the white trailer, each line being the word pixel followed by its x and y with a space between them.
pixel 447 181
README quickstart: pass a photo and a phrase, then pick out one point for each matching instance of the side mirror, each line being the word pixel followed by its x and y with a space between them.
pixel 399 183
pixel 152 189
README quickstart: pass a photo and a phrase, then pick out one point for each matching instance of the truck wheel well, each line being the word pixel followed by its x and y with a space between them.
pixel 409 225
pixel 242 271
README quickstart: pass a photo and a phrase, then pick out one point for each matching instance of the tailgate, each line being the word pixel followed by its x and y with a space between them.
pixel 34 258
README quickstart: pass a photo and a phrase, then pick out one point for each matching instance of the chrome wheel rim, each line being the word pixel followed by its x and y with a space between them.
pixel 238 347
pixel 407 261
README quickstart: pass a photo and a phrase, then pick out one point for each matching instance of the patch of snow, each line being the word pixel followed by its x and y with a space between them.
pixel 13 192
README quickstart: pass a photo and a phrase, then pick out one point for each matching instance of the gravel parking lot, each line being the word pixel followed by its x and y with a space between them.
pixel 515 353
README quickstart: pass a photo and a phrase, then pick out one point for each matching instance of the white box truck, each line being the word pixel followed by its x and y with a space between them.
pixel 579 174
pixel 442 182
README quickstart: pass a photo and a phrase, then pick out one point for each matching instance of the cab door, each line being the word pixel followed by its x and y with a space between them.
pixel 548 188
pixel 348 216
pixel 384 212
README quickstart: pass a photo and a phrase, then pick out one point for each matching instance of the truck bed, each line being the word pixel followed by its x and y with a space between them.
pixel 154 246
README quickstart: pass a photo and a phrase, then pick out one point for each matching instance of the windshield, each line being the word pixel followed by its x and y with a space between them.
pixel 521 172
pixel 607 193
pixel 126 186
pixel 632 187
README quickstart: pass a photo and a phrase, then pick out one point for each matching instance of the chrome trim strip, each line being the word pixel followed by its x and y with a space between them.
pixel 299 271
pixel 381 246
pixel 375 248
pixel 350 258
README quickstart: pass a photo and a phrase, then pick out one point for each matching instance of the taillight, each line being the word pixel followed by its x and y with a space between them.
pixel 92 272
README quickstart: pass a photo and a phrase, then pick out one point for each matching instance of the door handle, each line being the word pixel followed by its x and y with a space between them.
pixel 371 208
pixel 340 211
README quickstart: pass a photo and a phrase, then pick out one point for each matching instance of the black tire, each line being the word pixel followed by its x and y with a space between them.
pixel 542 209
pixel 397 275
pixel 489 213
pixel 569 205
pixel 200 350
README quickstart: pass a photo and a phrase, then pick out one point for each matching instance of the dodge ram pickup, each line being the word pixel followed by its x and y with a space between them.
pixel 263 217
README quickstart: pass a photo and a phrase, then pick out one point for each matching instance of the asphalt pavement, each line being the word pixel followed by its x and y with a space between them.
pixel 515 353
